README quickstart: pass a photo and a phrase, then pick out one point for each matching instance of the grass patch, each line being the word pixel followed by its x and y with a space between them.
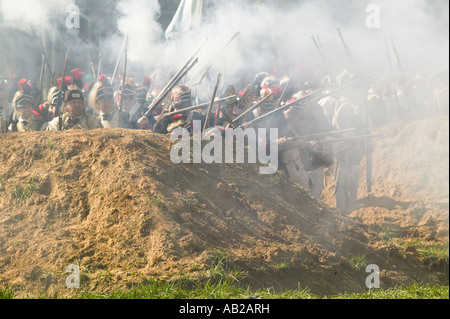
pixel 358 262
pixel 425 252
pixel 21 192
pixel 414 291
pixel 156 202
pixel 228 289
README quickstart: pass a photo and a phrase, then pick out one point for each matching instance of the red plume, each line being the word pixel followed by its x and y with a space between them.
pixel 147 81
pixel 102 78
pixel 22 83
pixel 77 74
pixel 68 80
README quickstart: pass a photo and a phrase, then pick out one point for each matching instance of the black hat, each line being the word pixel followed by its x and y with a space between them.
pixel 73 94
pixel 141 94
pixel 104 93
pixel 23 100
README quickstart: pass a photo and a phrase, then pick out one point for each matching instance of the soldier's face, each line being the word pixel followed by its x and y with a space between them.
pixel 106 107
pixel 25 111
pixel 128 102
pixel 176 96
pixel 75 107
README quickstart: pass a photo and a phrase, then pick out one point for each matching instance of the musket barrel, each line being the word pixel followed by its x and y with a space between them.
pixel 198 106
pixel 219 76
pixel 168 87
pixel 60 94
pixel 252 108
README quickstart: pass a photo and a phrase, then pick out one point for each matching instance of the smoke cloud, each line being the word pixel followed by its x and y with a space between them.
pixel 274 36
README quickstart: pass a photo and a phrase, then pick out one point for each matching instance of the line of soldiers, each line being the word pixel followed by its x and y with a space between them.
pixel 358 107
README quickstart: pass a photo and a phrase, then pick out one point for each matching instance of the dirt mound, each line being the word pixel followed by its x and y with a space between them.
pixel 410 184
pixel 112 202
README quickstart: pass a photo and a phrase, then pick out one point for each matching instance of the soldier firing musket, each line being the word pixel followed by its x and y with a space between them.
pixel 198 106
pixel 173 81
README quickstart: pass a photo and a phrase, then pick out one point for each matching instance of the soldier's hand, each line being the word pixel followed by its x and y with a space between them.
pixel 143 121
pixel 46 105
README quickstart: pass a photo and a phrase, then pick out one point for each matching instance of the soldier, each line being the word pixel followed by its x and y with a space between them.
pixel 141 99
pixel 101 100
pixel 376 107
pixel 130 103
pixel 6 108
pixel 348 154
pixel 245 101
pixel 225 106
pixel 305 163
pixel 75 116
pixel 180 98
pixel 24 120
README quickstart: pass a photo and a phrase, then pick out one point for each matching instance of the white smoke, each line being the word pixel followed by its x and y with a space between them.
pixel 272 37
pixel 32 15
pixel 279 37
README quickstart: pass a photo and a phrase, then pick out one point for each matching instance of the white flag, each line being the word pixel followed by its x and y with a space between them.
pixel 187 17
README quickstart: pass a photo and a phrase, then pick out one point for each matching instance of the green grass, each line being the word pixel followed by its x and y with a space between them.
pixel 358 262
pixel 227 289
pixel 425 252
pixel 21 192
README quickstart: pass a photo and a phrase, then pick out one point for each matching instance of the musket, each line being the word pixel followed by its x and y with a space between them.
pixel 388 57
pixel 198 106
pixel 174 80
pixel 251 108
pixel 156 101
pixel 41 76
pixel 63 80
pixel 208 113
pixel 227 117
pixel 315 136
pixel 318 49
pixel 92 69
pixel 46 59
pixel 123 88
pixel 313 96
pixel 99 64
pixel 295 141
pixel 438 63
pixel 284 91
pixel 287 105
pixel 399 62
pixel 125 39
pixel 348 52
pixel 350 138
pixel 208 66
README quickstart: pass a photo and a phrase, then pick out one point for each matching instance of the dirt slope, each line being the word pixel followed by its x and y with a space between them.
pixel 113 202
pixel 410 184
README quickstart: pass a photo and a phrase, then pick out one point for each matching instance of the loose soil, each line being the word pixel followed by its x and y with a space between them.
pixel 114 203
